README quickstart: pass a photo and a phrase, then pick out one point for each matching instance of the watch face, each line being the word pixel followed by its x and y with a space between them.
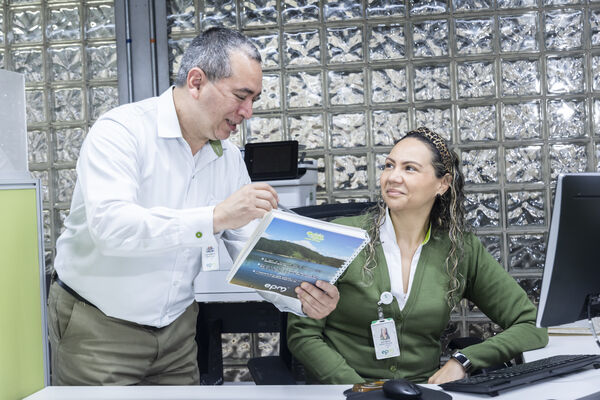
pixel 463 360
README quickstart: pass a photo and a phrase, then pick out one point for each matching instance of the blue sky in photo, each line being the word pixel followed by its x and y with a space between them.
pixel 333 245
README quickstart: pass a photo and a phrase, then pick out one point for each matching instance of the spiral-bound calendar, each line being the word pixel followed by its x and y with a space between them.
pixel 287 249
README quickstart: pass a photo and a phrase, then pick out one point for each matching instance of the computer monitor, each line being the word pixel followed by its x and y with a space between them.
pixel 572 271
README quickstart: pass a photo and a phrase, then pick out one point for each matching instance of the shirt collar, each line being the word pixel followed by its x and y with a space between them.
pixel 427 235
pixel 168 123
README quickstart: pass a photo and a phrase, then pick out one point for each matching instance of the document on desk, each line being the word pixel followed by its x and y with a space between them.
pixel 288 249
pixel 576 328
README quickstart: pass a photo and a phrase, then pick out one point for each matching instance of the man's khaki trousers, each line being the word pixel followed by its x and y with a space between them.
pixel 90 348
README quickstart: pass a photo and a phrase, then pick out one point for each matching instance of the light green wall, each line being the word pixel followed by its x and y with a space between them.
pixel 21 338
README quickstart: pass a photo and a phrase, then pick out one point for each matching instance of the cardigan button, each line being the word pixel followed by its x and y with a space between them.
pixel 393 368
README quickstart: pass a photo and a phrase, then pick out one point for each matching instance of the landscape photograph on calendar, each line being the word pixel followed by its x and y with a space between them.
pixel 289 253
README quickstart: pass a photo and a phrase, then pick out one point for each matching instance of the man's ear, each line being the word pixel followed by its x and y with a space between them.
pixel 196 80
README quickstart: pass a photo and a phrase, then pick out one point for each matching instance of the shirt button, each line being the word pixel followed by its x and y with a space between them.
pixel 175 283
pixel 393 368
pixel 198 235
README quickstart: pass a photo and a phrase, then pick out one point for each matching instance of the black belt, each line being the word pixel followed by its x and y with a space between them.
pixel 71 291
pixel 78 297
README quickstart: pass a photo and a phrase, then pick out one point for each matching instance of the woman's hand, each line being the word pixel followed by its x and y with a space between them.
pixel 318 301
pixel 451 371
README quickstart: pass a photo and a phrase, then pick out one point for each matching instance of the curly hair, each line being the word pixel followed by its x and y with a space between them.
pixel 447 214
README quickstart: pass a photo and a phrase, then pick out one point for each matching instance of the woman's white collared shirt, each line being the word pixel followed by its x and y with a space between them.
pixel 391 250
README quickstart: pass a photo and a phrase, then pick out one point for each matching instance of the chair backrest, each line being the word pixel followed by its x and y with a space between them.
pixel 330 211
pixel 270 370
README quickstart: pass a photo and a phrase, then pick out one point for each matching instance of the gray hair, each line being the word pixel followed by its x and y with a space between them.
pixel 211 51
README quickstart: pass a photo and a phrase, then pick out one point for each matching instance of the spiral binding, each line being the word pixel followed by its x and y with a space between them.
pixel 350 259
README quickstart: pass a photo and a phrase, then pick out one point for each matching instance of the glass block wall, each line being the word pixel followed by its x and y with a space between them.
pixel 514 85
pixel 67 52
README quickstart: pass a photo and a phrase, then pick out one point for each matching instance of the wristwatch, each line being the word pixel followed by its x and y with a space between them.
pixel 462 360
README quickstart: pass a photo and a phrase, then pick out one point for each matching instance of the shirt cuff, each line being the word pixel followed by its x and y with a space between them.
pixel 197 226
pixel 283 303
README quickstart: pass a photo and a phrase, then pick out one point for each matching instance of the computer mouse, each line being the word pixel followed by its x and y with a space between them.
pixel 401 389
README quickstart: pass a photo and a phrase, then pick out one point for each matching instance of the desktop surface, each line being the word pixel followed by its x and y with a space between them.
pixel 569 387
pixel 223 392
pixel 564 344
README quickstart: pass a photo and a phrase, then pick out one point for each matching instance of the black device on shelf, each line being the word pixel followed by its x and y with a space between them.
pixel 517 375
pixel 272 160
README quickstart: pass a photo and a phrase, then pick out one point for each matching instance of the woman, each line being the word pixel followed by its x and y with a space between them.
pixel 421 253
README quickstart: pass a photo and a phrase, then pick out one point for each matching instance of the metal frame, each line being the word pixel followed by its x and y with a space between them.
pixel 142 54
pixel 8 184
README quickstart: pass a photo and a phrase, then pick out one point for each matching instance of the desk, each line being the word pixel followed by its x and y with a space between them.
pixel 568 387
pixel 564 344
pixel 224 392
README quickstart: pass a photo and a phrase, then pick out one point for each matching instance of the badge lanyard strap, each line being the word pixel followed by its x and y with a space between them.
pixel 379 310
pixel 385 298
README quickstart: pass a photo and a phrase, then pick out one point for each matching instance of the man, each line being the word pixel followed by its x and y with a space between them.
pixel 157 184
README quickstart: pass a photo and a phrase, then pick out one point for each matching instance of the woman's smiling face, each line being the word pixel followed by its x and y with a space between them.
pixel 408 181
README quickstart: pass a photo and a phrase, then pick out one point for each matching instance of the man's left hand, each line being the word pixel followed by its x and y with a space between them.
pixel 318 301
pixel 451 371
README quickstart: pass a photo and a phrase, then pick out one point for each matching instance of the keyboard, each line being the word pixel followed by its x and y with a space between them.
pixel 507 378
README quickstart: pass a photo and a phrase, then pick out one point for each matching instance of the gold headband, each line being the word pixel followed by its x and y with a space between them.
pixel 439 144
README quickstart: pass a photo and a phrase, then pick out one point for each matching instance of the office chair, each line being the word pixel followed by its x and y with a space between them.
pixel 328 212
pixel 274 370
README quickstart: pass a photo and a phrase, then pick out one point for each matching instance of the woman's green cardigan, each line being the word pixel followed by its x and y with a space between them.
pixel 339 349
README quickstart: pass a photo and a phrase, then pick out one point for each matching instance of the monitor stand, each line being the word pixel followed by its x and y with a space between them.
pixel 592 303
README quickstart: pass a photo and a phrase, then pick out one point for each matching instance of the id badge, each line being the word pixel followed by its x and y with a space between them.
pixel 210 256
pixel 385 338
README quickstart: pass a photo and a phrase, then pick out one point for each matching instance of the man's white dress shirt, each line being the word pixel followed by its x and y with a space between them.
pixel 142 209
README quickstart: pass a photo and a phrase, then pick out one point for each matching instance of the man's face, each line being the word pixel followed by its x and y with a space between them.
pixel 227 102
